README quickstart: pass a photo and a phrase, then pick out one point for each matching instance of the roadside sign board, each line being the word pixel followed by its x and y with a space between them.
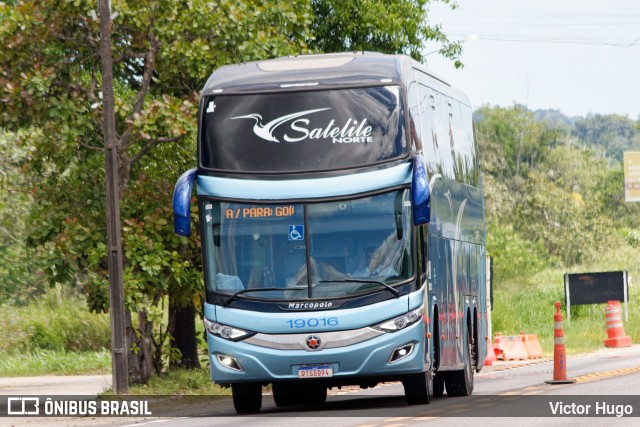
pixel 632 176
pixel 594 288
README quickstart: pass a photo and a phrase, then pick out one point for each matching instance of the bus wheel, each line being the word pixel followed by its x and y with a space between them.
pixel 460 383
pixel 285 394
pixel 418 388
pixel 247 397
pixel 438 384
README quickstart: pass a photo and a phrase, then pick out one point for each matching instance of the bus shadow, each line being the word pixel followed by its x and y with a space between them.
pixel 355 406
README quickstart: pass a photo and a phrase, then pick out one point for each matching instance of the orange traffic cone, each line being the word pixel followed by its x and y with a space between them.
pixel 615 331
pixel 559 352
pixel 491 353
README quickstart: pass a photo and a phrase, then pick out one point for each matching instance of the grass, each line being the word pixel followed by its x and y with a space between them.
pixel 50 362
pixel 528 305
pixel 54 335
pixel 54 322
pixel 181 382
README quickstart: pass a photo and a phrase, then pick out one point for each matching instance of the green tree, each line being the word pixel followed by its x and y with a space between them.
pixel 19 278
pixel 392 26
pixel 611 134
pixel 163 52
pixel 608 196
pixel 543 191
pixel 524 140
pixel 561 220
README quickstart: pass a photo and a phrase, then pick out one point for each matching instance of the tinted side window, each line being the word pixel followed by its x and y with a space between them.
pixel 447 137
pixel 413 105
pixel 429 140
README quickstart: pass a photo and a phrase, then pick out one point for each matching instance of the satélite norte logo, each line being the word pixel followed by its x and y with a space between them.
pixel 351 131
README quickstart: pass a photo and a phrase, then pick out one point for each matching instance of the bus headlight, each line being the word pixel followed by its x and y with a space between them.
pixel 227 332
pixel 401 322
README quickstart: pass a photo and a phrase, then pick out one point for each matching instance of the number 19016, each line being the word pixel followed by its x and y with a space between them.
pixel 313 322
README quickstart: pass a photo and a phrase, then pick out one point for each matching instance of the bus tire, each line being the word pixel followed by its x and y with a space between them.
pixel 460 383
pixel 438 378
pixel 418 388
pixel 247 397
pixel 438 384
pixel 285 394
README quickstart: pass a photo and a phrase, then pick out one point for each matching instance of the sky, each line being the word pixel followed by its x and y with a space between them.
pixel 576 56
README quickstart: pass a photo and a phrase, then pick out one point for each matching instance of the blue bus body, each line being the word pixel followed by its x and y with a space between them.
pixel 342 226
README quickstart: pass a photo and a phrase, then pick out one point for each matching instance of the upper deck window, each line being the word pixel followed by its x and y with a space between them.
pixel 302 131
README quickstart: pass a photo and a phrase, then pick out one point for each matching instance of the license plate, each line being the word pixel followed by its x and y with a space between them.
pixel 321 371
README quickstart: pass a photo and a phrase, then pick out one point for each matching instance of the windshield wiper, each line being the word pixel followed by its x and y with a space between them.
pixel 391 289
pixel 244 291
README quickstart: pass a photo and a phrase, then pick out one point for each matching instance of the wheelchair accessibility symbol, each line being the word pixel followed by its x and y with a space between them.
pixel 296 232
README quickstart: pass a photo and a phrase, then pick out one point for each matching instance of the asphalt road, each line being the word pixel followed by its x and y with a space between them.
pixel 507 393
pixel 55 385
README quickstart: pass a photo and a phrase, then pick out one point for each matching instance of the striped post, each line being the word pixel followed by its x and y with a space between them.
pixel 615 330
pixel 559 352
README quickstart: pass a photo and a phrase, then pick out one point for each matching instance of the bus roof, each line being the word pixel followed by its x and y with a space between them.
pixel 316 71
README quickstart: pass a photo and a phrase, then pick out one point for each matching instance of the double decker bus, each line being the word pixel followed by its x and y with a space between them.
pixel 342 227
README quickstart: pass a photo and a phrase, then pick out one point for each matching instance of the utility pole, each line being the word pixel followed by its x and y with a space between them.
pixel 119 365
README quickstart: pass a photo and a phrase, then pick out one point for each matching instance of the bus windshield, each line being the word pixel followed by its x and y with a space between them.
pixel 270 133
pixel 344 248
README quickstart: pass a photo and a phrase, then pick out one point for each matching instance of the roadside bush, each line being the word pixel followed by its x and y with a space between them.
pixel 81 330
pixel 53 323
pixel 632 237
pixel 513 256
pixel 42 337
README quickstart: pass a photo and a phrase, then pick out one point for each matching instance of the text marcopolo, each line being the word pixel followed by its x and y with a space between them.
pixel 309 305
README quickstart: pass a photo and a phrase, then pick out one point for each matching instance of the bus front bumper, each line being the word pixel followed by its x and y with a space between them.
pixel 384 355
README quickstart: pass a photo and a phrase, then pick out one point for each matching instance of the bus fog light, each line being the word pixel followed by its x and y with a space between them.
pixel 400 353
pixel 229 362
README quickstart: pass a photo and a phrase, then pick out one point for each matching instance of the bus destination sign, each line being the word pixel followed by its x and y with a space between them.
pixel 260 212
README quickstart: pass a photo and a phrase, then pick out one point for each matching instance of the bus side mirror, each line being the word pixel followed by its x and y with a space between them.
pixel 420 194
pixel 182 203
